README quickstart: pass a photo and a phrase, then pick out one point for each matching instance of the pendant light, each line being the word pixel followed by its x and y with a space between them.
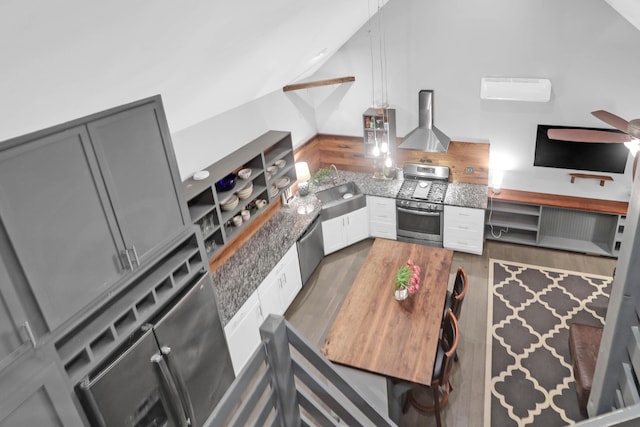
pixel 382 147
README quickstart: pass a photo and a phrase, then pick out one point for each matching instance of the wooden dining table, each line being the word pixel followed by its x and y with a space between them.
pixel 397 339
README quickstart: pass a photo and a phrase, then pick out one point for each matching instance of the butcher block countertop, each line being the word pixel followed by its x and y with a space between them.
pixel 566 202
pixel 376 333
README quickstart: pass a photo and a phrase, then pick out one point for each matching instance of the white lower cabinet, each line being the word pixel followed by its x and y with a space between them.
pixel 382 217
pixel 463 229
pixel 345 230
pixel 274 295
pixel 243 336
pixel 282 285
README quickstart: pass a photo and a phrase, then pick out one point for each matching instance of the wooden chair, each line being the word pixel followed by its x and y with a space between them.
pixel 455 298
pixel 440 384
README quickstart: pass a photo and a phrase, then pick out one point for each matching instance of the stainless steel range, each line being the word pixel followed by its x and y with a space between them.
pixel 419 204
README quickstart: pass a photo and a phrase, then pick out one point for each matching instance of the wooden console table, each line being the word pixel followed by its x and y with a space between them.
pixel 586 225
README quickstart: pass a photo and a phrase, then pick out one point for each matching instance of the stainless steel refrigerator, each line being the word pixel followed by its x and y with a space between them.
pixel 173 374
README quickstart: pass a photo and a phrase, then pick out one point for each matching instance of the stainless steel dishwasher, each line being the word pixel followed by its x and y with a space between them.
pixel 310 250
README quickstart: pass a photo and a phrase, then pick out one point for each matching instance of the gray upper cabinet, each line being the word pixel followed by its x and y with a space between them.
pixel 135 159
pixel 55 213
pixel 86 203
pixel 13 322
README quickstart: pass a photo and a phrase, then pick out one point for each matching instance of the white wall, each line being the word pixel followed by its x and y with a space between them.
pixel 205 143
pixel 587 50
pixel 60 60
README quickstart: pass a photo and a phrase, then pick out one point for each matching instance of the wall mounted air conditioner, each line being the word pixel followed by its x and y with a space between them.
pixel 515 89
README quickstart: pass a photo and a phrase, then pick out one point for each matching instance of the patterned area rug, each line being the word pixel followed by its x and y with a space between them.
pixel 529 368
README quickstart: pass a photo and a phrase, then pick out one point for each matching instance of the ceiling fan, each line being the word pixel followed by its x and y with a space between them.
pixel 629 131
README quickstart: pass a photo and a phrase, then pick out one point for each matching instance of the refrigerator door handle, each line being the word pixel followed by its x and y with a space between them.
pixel 93 411
pixel 181 385
pixel 170 389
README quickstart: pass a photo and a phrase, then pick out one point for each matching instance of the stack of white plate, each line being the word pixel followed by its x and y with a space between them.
pixel 273 191
pixel 229 203
pixel 245 192
pixel 280 163
pixel 283 181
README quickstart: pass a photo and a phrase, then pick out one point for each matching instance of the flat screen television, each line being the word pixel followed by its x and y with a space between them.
pixel 596 157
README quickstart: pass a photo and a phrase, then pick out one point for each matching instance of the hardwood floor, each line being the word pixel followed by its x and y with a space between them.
pixel 316 306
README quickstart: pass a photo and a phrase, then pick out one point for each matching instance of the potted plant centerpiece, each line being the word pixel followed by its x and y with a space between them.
pixel 407 281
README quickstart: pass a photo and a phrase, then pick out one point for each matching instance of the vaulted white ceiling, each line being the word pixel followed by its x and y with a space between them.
pixel 64 59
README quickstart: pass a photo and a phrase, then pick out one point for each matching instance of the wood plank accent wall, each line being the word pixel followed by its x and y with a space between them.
pixel 347 153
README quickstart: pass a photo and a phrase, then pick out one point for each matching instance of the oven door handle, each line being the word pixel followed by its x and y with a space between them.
pixel 421 213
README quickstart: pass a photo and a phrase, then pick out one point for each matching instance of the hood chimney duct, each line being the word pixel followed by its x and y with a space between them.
pixel 426 137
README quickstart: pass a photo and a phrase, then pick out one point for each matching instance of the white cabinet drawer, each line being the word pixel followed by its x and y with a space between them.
pixel 382 217
pixel 456 216
pixel 381 209
pixel 384 230
pixel 463 229
pixel 471 242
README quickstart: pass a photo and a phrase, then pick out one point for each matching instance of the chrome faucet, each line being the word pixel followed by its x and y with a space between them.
pixel 334 174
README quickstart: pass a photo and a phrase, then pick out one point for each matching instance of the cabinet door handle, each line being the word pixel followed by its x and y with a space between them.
pixel 127 260
pixel 32 338
pixel 135 255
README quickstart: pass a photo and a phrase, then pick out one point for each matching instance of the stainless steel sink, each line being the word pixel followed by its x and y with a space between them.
pixel 341 199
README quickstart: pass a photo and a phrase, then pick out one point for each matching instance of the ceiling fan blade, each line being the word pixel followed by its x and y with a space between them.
pixel 611 119
pixel 634 128
pixel 584 135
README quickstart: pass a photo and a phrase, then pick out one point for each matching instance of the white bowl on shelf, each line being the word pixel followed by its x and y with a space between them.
pixel 281 163
pixel 200 175
pixel 244 173
pixel 237 220
pixel 273 191
pixel 272 170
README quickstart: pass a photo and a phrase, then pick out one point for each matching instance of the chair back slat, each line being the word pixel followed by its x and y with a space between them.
pixel 450 338
pixel 460 287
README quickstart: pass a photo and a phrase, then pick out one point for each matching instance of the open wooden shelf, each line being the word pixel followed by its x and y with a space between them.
pixel 327 82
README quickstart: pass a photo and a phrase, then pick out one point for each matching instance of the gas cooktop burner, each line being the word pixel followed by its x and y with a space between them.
pixel 424 183
pixel 429 191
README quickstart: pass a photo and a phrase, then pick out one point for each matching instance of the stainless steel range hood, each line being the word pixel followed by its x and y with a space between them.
pixel 426 137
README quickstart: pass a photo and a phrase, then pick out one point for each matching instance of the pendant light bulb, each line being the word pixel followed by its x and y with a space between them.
pixel 384 147
pixel 388 163
pixel 376 151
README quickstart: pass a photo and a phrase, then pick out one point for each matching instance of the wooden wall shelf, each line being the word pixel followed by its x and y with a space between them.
pixel 601 178
pixel 298 86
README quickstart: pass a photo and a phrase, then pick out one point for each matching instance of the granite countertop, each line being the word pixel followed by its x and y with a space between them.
pixel 466 195
pixel 244 271
pixel 458 194
pixel 238 277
